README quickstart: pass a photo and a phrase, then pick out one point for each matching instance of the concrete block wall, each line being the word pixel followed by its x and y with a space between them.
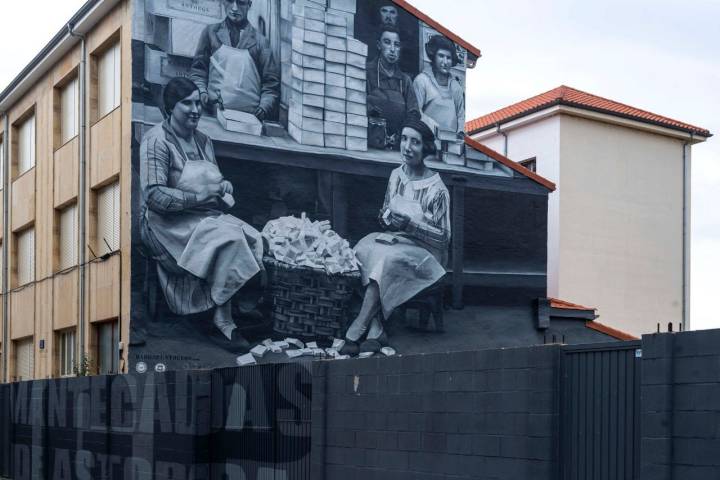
pixel 482 415
pixel 680 398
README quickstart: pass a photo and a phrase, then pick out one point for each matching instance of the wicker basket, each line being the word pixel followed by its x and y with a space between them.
pixel 308 302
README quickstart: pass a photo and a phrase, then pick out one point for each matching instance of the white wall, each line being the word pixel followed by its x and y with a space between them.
pixel 621 223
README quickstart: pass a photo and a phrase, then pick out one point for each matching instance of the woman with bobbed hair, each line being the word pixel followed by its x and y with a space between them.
pixel 440 95
pixel 410 256
pixel 204 256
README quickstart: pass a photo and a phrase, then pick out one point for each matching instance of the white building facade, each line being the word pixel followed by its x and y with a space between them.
pixel 619 222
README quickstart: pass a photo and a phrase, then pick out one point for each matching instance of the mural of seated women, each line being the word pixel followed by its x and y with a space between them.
pixel 410 255
pixel 204 256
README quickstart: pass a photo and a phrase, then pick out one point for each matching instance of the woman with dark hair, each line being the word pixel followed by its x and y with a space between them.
pixel 203 255
pixel 398 264
pixel 440 95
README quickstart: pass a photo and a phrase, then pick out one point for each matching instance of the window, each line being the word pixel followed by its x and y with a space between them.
pixel 108 219
pixel 69 111
pixel 24 359
pixel 66 350
pixel 530 164
pixel 26 145
pixel 2 163
pixel 26 257
pixel 108 80
pixel 107 348
pixel 68 238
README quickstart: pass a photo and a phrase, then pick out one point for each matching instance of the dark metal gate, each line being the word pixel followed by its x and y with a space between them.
pixel 600 412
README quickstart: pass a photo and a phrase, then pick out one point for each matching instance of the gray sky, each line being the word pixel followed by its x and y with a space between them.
pixel 659 55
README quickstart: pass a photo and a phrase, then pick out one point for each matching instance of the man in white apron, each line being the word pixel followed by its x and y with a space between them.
pixel 234 65
pixel 391 95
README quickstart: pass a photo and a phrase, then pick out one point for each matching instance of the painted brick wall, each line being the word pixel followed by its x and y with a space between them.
pixel 481 415
pixel 681 406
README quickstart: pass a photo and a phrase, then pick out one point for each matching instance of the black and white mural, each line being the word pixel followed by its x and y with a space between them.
pixel 287 201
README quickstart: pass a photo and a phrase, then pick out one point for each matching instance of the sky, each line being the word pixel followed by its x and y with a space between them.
pixel 658 55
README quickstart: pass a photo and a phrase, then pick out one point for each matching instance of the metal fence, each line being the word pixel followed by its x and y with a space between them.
pixel 600 412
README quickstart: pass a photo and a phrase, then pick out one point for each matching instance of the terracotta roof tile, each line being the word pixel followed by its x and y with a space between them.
pixel 613 332
pixel 562 304
pixel 437 26
pixel 569 96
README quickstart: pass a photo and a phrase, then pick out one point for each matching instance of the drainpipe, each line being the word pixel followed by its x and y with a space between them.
pixel 686 236
pixel 82 197
pixel 5 247
pixel 505 146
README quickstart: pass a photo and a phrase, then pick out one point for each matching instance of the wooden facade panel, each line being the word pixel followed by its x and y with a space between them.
pixel 23 201
pixel 105 148
pixel 104 289
pixel 65 305
pixel 66 163
pixel 22 313
pixel 43 328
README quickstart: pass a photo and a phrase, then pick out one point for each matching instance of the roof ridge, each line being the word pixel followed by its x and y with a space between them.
pixel 564 94
pixel 626 105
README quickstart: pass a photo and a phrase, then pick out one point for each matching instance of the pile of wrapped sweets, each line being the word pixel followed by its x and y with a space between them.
pixel 302 242
pixel 295 348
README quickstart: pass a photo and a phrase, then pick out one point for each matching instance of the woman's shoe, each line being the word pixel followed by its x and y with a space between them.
pixel 382 339
pixel 350 348
pixel 235 344
pixel 370 345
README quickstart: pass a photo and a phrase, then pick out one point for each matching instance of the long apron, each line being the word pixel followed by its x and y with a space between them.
pixel 440 106
pixel 219 249
pixel 234 77
pixel 401 270
pixel 392 104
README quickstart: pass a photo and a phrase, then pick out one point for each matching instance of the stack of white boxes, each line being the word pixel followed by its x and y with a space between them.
pixel 327 105
pixel 307 95
pixel 356 100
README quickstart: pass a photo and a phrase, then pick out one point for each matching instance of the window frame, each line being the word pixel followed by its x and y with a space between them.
pixel 111 45
pixel 114 243
pixel 3 168
pixel 72 79
pixel 60 262
pixel 18 134
pixel 21 281
pixel 114 326
pixel 66 365
pixel 530 164
pixel 30 343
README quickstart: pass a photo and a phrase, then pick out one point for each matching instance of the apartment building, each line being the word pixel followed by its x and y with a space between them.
pixel 619 223
pixel 64 157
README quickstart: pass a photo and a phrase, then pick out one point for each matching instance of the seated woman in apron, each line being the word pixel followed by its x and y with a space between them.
pixel 409 257
pixel 439 94
pixel 204 256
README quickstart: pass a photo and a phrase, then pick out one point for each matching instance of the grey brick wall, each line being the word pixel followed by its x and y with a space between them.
pixel 681 406
pixel 482 415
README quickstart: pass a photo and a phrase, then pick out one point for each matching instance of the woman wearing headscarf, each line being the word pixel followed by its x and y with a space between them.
pixel 410 255
pixel 204 256
pixel 440 95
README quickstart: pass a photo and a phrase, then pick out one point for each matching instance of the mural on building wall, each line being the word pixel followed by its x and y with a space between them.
pixel 285 203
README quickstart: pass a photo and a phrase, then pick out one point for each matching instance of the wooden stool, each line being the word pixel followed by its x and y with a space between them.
pixel 429 302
